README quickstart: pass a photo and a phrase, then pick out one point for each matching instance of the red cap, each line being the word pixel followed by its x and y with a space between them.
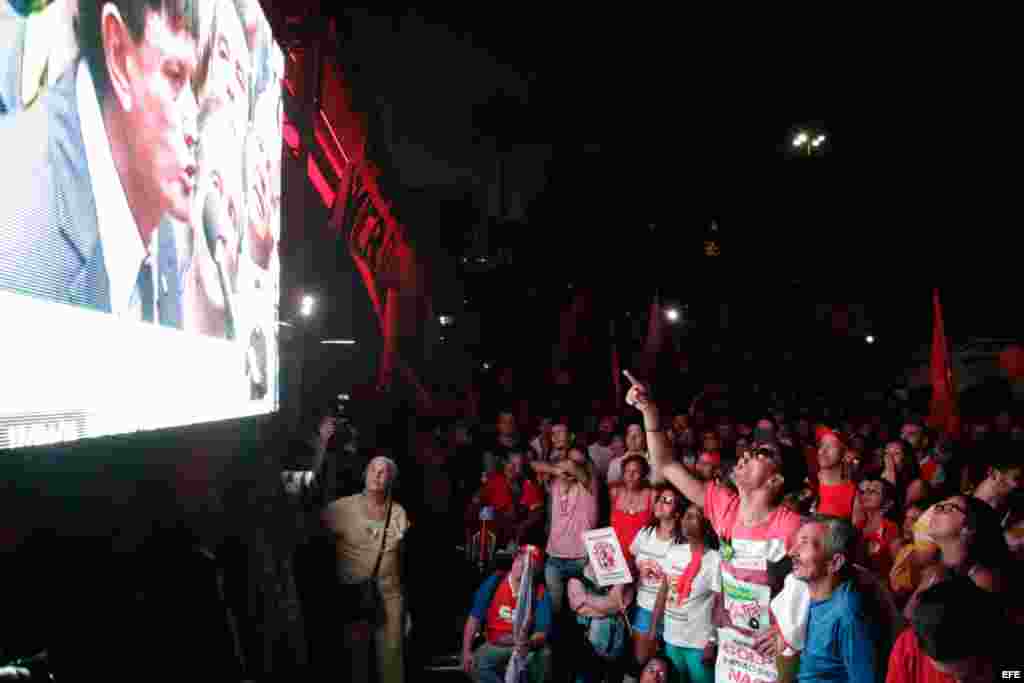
pixel 821 431
pixel 713 456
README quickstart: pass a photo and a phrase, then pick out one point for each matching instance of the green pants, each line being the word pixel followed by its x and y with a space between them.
pixel 688 665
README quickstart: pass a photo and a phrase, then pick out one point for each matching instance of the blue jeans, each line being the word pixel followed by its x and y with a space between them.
pixel 491 661
pixel 557 573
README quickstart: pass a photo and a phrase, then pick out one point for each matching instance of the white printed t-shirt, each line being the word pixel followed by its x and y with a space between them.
pixel 651 555
pixel 688 623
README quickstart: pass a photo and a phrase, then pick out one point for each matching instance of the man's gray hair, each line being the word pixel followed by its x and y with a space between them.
pixel 392 466
pixel 840 534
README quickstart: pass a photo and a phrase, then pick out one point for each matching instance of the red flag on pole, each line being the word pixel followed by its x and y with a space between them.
pixel 943 414
pixel 616 372
pixel 570 322
pixel 655 337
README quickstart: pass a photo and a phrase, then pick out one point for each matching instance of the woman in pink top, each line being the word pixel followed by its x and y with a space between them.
pixel 632 502
pixel 572 487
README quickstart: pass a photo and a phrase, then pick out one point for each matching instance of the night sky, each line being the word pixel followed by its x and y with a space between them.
pixel 625 138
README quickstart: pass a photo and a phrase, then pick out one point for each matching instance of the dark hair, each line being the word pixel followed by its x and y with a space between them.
pixel 941 615
pixel 890 494
pixel 134 13
pixel 988 545
pixel 503 457
pixel 791 466
pixel 710 537
pixel 670 669
pixel 644 465
pixel 678 537
pixel 1007 464
pixel 910 471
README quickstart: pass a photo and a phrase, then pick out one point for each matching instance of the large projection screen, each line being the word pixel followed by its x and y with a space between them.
pixel 139 230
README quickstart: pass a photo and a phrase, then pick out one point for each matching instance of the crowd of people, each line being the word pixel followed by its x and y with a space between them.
pixel 775 548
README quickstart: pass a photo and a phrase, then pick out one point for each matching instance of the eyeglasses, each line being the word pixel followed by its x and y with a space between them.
pixel 946 507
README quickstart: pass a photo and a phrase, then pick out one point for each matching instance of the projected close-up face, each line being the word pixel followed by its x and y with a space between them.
pixel 258 199
pixel 224 167
pixel 249 11
pixel 226 83
pixel 154 90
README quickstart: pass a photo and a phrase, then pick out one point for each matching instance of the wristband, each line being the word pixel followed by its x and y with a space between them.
pixel 655 431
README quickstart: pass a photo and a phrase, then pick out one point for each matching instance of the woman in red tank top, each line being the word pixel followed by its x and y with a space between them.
pixel 632 504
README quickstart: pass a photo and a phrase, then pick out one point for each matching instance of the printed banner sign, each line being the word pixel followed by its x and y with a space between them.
pixel 606 557
pixel 739 662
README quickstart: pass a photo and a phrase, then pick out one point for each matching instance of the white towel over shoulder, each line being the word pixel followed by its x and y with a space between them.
pixel 791 609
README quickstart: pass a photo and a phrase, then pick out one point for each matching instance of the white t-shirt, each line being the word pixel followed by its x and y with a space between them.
pixel 651 555
pixel 688 624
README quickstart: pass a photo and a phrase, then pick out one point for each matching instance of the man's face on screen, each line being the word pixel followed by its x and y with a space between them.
pixel 162 113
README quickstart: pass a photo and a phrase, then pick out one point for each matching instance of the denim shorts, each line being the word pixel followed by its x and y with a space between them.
pixel 640 618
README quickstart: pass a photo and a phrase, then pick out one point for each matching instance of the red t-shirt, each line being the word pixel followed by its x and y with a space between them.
pixel 627 525
pixel 502 612
pixel 498 494
pixel 908 664
pixel 836 499
pixel 879 545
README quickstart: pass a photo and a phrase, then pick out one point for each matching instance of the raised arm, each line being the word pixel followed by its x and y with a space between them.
pixel 545 468
pixel 663 465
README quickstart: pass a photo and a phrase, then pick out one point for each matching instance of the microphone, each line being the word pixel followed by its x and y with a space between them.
pixel 212 223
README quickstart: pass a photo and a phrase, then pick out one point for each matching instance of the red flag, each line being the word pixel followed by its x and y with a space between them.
pixel 616 371
pixel 655 337
pixel 943 414
pixel 570 322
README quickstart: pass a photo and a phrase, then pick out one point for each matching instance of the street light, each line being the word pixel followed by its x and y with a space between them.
pixel 672 315
pixel 809 141
pixel 308 301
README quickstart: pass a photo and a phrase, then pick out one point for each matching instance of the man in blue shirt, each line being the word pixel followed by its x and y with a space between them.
pixel 841 641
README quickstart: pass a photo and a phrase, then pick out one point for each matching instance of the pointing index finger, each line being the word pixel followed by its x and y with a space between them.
pixel 630 377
